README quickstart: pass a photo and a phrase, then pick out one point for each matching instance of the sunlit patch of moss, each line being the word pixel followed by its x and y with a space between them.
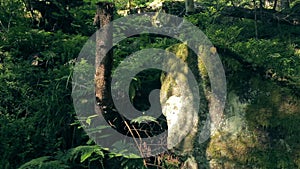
pixel 202 69
pixel 169 86
pixel 226 150
pixel 180 50
pixel 289 105
pixel 201 65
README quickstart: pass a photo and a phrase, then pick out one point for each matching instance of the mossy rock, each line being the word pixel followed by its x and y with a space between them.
pixel 169 87
pixel 171 91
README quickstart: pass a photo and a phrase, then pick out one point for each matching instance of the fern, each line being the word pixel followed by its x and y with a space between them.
pixel 46 162
pixel 84 152
pixel 72 157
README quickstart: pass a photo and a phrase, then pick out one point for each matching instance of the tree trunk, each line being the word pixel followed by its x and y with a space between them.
pixel 255 18
pixel 275 4
pixel 104 58
pixel 189 6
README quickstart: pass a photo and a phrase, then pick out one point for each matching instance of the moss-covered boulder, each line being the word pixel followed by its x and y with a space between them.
pixel 177 101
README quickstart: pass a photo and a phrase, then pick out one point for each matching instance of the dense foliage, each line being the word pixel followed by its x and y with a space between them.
pixel 40 40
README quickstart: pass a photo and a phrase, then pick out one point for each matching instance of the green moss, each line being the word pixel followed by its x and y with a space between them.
pixel 201 65
pixel 169 87
pixel 224 149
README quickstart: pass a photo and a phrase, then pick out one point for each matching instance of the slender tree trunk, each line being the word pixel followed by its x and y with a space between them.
pixel 255 18
pixel 275 4
pixel 104 58
pixel 189 6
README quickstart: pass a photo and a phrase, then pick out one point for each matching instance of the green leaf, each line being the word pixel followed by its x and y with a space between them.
pixel 85 156
pixel 144 119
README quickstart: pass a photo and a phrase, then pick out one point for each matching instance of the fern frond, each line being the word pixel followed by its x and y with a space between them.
pixel 46 162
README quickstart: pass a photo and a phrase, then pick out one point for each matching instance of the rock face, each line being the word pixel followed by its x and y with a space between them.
pixel 172 109
pixel 177 105
pixel 181 124
pixel 187 114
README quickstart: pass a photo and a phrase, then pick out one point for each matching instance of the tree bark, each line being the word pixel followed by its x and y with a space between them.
pixel 103 66
pixel 275 4
pixel 189 6
pixel 104 58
